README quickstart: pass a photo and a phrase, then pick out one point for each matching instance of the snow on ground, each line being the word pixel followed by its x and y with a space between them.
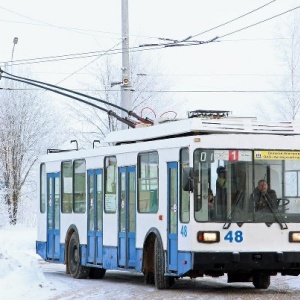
pixel 21 275
pixel 22 278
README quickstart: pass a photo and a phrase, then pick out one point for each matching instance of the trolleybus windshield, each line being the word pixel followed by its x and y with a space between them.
pixel 226 186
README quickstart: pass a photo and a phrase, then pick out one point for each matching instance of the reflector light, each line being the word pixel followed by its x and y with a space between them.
pixel 208 236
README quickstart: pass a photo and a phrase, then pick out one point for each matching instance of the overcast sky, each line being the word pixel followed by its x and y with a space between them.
pixel 246 61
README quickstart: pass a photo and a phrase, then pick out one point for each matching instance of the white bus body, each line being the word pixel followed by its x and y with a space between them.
pixel 142 204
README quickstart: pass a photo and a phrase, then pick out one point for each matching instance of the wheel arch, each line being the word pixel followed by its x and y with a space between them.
pixel 148 250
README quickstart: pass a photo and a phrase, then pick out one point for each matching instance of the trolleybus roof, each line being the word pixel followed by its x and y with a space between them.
pixel 193 126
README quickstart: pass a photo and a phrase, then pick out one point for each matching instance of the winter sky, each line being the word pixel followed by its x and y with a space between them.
pixel 202 76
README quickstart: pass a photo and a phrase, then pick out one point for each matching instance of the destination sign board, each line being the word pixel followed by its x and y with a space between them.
pixel 276 155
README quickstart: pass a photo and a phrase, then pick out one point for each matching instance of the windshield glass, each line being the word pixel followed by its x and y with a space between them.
pixel 246 185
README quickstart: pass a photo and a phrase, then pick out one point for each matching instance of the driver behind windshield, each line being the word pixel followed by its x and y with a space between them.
pixel 264 199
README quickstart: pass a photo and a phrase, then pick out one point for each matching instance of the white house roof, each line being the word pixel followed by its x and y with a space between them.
pixel 202 126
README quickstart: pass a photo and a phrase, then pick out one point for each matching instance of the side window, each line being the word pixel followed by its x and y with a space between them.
pixel 79 186
pixel 110 184
pixel 184 195
pixel 292 179
pixel 66 186
pixel 42 188
pixel 148 182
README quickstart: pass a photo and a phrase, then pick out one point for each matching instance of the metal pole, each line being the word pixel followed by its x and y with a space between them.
pixel 126 84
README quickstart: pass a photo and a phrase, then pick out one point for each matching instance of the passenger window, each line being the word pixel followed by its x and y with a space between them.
pixel 184 195
pixel 110 183
pixel 148 182
pixel 66 186
pixel 79 188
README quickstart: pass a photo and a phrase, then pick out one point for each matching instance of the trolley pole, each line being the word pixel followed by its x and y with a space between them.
pixel 126 84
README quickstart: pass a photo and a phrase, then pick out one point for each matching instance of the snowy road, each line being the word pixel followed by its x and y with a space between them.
pixel 25 276
pixel 120 285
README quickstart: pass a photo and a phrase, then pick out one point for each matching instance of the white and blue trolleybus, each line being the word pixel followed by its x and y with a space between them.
pixel 181 198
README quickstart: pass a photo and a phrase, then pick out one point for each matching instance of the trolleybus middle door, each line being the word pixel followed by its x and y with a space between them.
pixel 95 217
pixel 53 222
pixel 172 216
pixel 127 218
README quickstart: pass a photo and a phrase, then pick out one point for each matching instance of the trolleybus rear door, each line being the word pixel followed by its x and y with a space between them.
pixel 127 217
pixel 53 211
pixel 172 216
pixel 95 217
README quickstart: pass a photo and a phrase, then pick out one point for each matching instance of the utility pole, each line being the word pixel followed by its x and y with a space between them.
pixel 126 83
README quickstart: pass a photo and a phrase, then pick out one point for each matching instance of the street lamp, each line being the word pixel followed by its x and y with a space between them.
pixel 15 41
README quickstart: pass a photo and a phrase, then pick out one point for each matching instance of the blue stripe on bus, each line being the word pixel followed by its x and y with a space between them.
pixel 110 258
pixel 41 249
pixel 184 262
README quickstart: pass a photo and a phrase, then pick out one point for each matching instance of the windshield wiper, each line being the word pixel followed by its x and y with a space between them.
pixel 232 213
pixel 277 214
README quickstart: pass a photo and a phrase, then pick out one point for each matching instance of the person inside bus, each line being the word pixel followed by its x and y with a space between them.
pixel 264 199
pixel 211 205
pixel 221 193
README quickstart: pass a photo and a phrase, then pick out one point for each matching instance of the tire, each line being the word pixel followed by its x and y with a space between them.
pixel 76 269
pixel 161 281
pixel 97 273
pixel 261 280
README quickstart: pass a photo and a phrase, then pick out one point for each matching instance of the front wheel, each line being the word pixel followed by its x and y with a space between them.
pixel 76 269
pixel 161 281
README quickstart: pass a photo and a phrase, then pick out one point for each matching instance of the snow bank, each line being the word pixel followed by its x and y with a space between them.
pixel 20 272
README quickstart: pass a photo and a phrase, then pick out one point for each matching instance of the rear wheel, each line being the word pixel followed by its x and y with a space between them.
pixel 76 269
pixel 261 280
pixel 161 281
pixel 97 273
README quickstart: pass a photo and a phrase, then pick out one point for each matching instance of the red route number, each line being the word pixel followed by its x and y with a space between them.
pixel 233 155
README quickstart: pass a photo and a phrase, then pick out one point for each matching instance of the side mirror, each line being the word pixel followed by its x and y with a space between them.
pixel 188 179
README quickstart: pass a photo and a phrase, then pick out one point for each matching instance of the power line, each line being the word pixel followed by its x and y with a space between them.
pixel 223 24
pixel 75 29
pixel 42 23
pixel 136 49
pixel 79 56
pixel 260 22
pixel 168 91
pixel 187 42
pixel 64 57
pixel 87 64
pixel 218 91
pixel 58 57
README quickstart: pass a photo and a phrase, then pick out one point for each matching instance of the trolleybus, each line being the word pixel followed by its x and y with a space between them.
pixel 154 201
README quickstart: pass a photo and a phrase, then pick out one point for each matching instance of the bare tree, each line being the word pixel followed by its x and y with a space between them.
pixel 289 104
pixel 147 86
pixel 27 128
pixel 286 103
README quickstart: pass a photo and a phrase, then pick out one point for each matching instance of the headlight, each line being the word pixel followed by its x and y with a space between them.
pixel 208 236
pixel 294 237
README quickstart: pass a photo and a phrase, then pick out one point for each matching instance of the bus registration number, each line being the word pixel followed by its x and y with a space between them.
pixel 234 236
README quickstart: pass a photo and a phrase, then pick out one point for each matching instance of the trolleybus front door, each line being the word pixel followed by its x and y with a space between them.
pixel 127 218
pixel 172 216
pixel 95 217
pixel 53 210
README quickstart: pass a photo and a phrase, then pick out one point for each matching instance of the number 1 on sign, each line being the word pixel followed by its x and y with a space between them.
pixel 233 155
